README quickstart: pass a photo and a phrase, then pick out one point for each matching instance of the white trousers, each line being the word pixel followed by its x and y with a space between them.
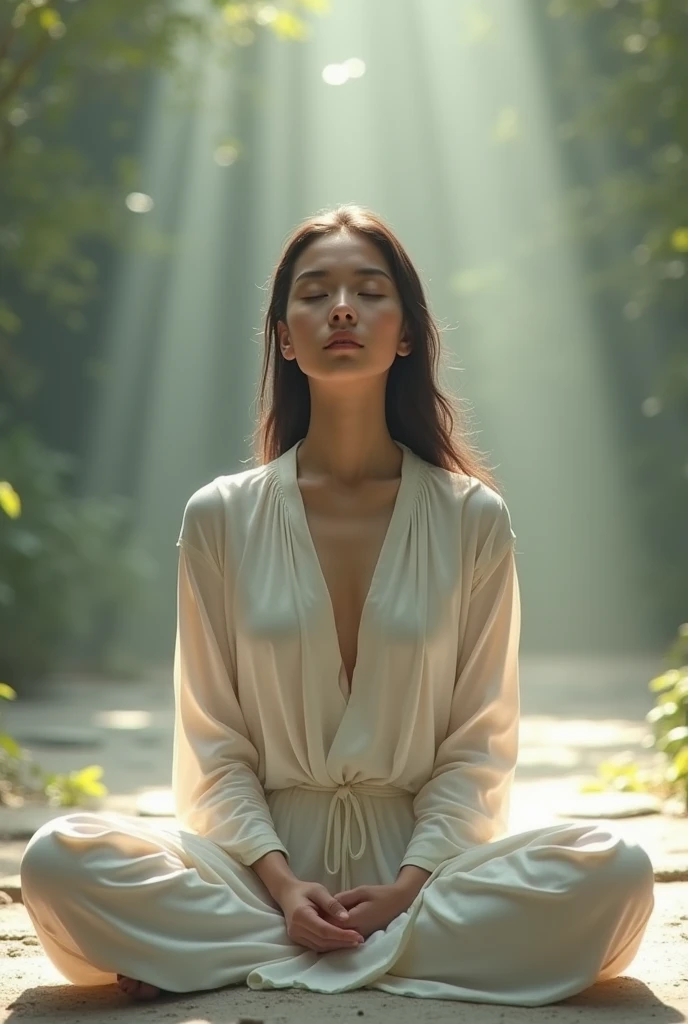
pixel 527 920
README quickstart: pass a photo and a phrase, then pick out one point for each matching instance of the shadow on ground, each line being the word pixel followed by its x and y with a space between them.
pixel 619 1000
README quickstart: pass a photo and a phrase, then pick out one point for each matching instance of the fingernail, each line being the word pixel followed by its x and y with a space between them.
pixel 342 913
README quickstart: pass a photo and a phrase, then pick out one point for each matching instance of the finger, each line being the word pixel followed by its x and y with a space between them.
pixel 330 904
pixel 356 918
pixel 311 922
pixel 335 934
pixel 314 941
pixel 361 920
pixel 346 926
pixel 339 937
pixel 323 947
pixel 351 897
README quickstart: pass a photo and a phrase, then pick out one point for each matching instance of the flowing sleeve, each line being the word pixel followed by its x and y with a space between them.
pixel 214 776
pixel 465 802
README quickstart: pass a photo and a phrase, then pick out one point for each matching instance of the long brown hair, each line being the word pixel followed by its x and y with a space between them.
pixel 418 413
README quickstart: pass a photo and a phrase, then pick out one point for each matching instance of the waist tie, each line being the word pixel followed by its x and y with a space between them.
pixel 345 806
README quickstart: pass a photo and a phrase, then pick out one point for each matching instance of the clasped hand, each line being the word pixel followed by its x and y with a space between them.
pixel 323 922
pixel 371 907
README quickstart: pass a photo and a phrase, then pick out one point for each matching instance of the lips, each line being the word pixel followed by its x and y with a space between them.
pixel 343 339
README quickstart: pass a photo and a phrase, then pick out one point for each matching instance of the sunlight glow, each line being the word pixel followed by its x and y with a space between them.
pixel 226 155
pixel 139 202
pixel 339 74
pixel 122 719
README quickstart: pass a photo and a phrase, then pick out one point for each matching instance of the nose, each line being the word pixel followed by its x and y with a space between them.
pixel 342 312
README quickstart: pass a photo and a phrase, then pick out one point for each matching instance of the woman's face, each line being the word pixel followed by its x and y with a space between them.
pixel 342 282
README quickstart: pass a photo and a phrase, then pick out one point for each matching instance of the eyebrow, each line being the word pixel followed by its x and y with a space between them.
pixel 361 272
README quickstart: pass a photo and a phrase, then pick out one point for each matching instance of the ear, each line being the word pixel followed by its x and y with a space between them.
pixel 404 347
pixel 285 345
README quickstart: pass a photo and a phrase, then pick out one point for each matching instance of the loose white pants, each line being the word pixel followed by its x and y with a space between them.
pixel 527 920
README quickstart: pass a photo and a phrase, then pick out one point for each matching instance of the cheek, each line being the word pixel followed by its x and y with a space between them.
pixel 302 321
pixel 387 320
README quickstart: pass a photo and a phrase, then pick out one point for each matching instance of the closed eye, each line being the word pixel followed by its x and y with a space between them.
pixel 365 295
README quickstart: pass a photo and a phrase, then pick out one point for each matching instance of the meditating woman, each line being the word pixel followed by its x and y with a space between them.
pixel 347 706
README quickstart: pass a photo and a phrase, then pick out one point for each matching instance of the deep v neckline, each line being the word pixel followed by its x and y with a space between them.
pixel 287 467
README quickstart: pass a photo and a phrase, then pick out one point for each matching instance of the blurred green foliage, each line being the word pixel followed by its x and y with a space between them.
pixel 64 562
pixel 669 722
pixel 622 79
pixel 616 79
pixel 53 201
pixel 630 92
pixel 22 778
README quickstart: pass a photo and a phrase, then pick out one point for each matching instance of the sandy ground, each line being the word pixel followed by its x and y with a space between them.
pixel 654 988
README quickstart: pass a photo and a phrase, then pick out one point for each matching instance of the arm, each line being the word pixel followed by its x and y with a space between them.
pixel 466 800
pixel 216 788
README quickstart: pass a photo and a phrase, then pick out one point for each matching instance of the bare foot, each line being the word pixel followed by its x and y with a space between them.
pixel 137 989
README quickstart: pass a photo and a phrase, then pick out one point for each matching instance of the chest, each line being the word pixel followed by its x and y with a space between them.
pixel 348 532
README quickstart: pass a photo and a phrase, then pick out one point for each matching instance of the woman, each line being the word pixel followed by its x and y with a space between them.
pixel 346 681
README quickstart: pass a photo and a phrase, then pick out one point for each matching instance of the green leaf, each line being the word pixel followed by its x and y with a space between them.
pixel 288 26
pixel 660 711
pixel 664 681
pixel 679 766
pixel 681 733
pixel 617 773
pixel 592 786
pixel 10 745
pixel 88 774
pixel 668 697
pixel 677 735
pixel 85 782
pixel 679 239
pixel 10 502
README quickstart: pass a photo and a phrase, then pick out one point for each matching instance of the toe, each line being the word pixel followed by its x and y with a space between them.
pixel 137 989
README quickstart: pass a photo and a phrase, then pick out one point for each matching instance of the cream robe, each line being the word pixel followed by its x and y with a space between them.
pixel 413 766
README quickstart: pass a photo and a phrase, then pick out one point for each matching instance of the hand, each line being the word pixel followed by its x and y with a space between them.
pixel 312 913
pixel 372 907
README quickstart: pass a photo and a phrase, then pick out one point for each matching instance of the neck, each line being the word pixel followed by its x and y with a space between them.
pixel 349 443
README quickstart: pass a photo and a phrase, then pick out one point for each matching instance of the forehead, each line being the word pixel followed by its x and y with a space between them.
pixel 341 251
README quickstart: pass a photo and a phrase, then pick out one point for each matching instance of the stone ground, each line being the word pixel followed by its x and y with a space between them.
pixel 574 714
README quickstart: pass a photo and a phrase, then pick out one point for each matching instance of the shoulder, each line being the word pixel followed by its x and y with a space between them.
pixel 210 510
pixel 487 513
pixel 478 512
pixel 479 506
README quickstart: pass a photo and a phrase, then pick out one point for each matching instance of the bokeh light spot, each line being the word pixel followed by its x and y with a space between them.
pixel 266 14
pixel 226 155
pixel 335 74
pixel 139 202
pixel 355 67
pixel 635 43
pixel 651 407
